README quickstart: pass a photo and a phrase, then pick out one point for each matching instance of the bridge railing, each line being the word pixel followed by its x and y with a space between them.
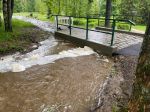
pixel 70 26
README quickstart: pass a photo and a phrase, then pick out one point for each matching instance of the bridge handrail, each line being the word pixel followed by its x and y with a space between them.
pixel 87 25
pixel 121 20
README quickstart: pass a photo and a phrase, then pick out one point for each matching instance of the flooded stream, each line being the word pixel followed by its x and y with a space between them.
pixel 56 77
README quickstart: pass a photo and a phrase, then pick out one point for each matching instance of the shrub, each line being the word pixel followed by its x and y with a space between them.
pixel 79 22
pixel 101 23
pixel 0 21
pixel 93 24
pixel 92 20
pixel 123 26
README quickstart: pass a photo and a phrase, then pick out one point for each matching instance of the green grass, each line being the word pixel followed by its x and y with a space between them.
pixel 140 27
pixel 11 41
pixel 17 26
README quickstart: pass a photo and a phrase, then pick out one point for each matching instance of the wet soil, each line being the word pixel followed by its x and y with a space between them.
pixel 68 85
pixel 23 43
pixel 118 91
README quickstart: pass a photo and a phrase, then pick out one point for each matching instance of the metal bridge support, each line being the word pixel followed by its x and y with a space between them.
pixel 87 28
pixel 113 32
pixel 70 21
pixel 56 22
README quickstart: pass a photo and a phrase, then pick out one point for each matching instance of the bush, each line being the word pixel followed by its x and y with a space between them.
pixel 79 22
pixel 93 24
pixel 123 26
pixel 0 21
pixel 93 20
pixel 102 23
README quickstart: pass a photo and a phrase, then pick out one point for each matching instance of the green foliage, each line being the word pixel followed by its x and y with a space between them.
pixel 0 5
pixel 0 21
pixel 79 22
pixel 86 7
pixel 140 27
pixel 122 26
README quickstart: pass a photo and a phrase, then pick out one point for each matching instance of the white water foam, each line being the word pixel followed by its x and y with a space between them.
pixel 18 62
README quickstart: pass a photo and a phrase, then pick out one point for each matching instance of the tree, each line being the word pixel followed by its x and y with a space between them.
pixel 0 5
pixel 17 6
pixel 7 14
pixel 140 100
pixel 108 12
pixel 31 5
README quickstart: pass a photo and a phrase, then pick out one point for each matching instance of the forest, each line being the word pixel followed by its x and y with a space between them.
pixel 83 7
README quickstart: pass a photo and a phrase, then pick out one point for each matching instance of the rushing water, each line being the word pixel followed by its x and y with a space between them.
pixel 69 85
pixel 46 53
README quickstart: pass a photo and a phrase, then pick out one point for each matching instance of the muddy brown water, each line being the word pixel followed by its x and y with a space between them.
pixel 68 85
pixel 61 46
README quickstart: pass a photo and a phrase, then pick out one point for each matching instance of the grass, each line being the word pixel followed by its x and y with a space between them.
pixel 140 27
pixel 17 26
pixel 11 41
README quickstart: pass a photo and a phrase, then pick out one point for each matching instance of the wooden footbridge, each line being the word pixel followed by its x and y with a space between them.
pixel 106 41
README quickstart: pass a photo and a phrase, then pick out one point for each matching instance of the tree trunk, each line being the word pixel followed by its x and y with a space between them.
pixel 108 13
pixel 140 100
pixel 7 14
pixel 59 7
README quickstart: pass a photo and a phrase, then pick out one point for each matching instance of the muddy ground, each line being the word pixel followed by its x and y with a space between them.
pixel 117 93
pixel 23 43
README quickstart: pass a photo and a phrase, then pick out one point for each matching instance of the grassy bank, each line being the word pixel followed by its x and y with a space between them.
pixel 140 27
pixel 24 35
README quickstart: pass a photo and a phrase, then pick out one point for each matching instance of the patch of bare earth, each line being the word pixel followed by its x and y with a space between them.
pixel 117 92
pixel 68 85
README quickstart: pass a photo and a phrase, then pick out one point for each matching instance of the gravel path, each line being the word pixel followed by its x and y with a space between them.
pixel 46 26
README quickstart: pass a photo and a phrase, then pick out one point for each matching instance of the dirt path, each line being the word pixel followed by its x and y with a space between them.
pixel 138 31
pixel 46 26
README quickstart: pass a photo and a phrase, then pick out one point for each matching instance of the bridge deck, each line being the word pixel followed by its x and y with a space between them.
pixel 122 40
